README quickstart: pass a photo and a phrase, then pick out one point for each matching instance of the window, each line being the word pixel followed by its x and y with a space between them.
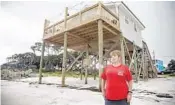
pixel 126 20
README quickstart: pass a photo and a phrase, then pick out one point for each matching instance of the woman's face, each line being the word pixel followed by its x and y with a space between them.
pixel 115 59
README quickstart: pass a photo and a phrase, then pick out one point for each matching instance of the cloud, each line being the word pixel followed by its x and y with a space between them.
pixel 21 24
pixel 17 35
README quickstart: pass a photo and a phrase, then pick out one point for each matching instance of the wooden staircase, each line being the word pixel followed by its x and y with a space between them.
pixel 152 70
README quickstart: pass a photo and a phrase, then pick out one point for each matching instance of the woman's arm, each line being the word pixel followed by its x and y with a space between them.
pixel 103 82
pixel 130 85
pixel 103 87
pixel 129 79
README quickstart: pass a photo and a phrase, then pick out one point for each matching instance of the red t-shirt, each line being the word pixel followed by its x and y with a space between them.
pixel 116 87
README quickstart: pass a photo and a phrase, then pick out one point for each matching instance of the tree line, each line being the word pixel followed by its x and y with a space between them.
pixel 30 60
pixel 52 58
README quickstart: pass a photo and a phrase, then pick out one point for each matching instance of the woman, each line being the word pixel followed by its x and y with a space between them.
pixel 116 81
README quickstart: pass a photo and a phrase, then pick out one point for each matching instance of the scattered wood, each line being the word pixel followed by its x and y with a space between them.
pixel 164 95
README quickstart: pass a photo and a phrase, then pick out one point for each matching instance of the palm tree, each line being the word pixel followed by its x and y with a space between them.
pixel 56 49
pixel 33 49
pixel 38 46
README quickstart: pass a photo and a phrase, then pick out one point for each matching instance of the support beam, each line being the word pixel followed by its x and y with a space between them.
pixel 41 62
pixel 141 65
pixel 94 66
pixel 87 66
pixel 122 49
pixel 64 59
pixel 133 56
pixel 71 55
pixel 42 53
pixel 99 11
pixel 78 37
pixel 81 71
pixel 147 70
pixel 136 65
pixel 74 61
pixel 127 50
pixel 100 47
pixel 65 18
pixel 109 30
pixel 65 50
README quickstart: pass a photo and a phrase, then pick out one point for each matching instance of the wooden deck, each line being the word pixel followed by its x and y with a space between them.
pixel 82 29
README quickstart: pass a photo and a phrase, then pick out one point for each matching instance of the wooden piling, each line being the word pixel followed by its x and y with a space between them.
pixel 65 50
pixel 122 49
pixel 87 66
pixel 100 46
pixel 42 54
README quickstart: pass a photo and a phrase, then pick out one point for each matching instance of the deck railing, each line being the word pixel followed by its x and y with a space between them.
pixel 84 16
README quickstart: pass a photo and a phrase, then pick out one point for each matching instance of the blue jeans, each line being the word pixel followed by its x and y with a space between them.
pixel 116 102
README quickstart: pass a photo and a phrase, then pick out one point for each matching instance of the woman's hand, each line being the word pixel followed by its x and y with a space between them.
pixel 103 93
pixel 103 87
pixel 129 97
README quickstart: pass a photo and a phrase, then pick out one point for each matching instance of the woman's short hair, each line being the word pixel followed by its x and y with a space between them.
pixel 115 53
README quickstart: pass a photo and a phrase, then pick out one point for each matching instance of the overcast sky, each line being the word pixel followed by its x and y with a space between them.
pixel 21 25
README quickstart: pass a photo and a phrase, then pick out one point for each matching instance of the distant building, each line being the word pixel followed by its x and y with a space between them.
pixel 159 65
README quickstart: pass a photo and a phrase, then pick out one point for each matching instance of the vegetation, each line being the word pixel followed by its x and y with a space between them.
pixel 52 60
pixel 171 65
pixel 170 69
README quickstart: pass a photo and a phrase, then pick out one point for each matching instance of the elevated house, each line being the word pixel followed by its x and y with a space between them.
pixel 97 30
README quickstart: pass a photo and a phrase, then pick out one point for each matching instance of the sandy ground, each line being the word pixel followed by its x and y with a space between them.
pixel 26 92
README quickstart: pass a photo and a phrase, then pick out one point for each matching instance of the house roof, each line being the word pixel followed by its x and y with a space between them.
pixel 132 13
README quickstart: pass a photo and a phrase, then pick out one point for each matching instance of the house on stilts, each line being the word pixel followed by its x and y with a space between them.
pixel 97 30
